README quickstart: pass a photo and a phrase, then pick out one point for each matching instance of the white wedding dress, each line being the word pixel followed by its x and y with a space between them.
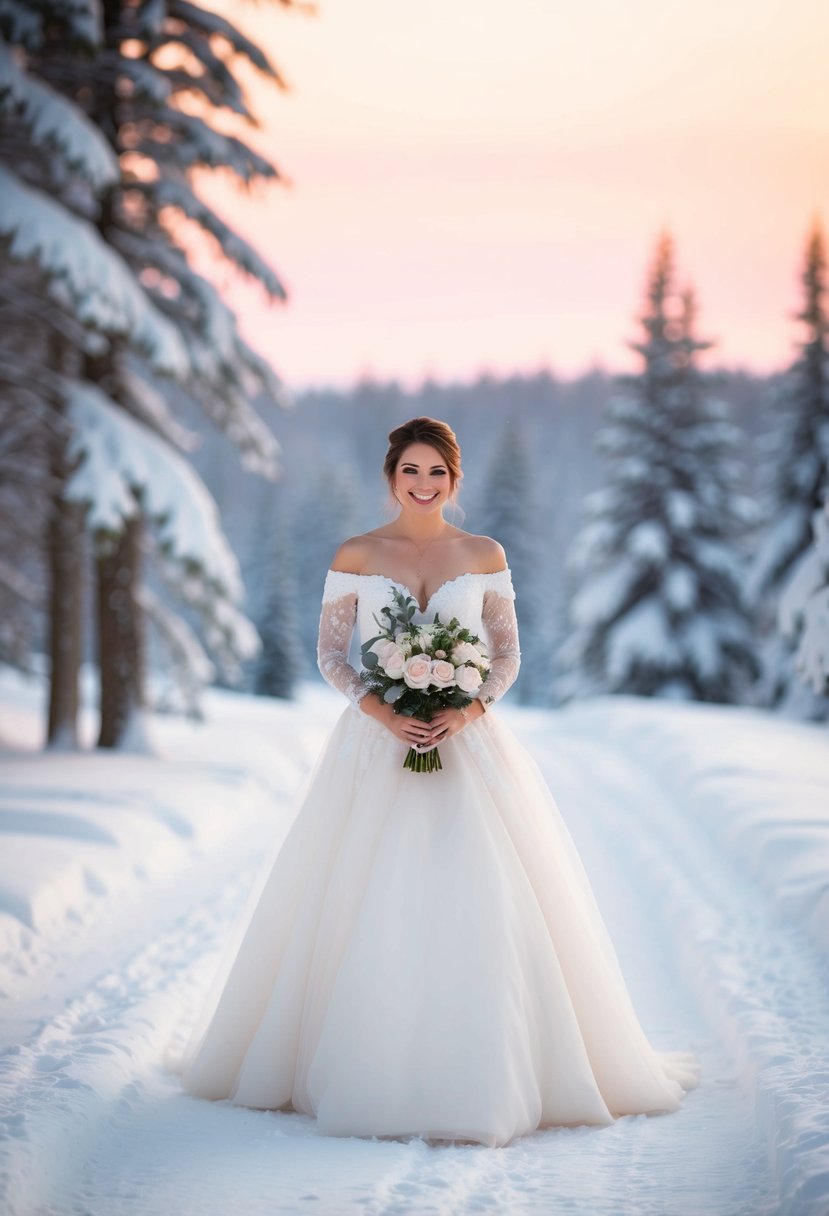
pixel 425 955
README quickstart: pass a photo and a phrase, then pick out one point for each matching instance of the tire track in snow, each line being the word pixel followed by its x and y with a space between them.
pixel 757 980
pixel 64 1086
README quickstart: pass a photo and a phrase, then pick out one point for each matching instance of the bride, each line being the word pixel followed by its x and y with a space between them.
pixel 425 955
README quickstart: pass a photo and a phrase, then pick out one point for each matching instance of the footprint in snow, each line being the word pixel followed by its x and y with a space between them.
pixel 51 1063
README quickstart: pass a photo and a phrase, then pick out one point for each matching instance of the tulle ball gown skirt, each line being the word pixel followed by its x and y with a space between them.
pixel 425 956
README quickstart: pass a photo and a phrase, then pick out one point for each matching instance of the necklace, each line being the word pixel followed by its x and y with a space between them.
pixel 421 551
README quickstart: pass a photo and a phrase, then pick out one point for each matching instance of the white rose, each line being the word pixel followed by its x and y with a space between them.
pixel 468 679
pixel 417 671
pixel 394 662
pixel 443 673
pixel 465 652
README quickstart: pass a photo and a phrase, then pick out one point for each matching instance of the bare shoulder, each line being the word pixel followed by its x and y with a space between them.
pixel 361 554
pixel 489 554
pixel 352 555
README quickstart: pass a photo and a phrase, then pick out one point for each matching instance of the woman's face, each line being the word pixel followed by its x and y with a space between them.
pixel 422 479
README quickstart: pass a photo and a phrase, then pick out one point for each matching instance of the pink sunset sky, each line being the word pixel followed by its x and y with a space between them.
pixel 479 186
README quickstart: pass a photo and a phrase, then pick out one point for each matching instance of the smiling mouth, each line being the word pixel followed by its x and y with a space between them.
pixel 418 498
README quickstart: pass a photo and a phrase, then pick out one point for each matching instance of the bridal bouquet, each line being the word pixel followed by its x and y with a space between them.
pixel 422 668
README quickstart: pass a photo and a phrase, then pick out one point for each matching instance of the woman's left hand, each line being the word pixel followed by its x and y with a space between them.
pixel 447 722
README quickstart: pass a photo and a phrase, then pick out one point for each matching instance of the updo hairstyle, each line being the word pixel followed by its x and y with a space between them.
pixel 437 434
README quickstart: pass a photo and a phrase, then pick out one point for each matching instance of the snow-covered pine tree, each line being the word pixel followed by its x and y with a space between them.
pixel 133 99
pixel 795 467
pixel 507 512
pixel 804 610
pixel 656 605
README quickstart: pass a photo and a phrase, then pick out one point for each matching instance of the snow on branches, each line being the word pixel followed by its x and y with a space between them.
pixel 126 467
pixel 85 271
pixel 54 123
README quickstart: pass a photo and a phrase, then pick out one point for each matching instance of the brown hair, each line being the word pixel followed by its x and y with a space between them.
pixel 437 434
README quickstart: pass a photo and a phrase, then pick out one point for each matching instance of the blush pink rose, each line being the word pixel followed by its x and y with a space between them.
pixel 417 671
pixel 443 673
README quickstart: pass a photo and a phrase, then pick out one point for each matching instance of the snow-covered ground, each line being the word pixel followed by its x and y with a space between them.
pixel 705 832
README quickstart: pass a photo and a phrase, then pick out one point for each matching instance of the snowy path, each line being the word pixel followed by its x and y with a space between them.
pixel 96 1127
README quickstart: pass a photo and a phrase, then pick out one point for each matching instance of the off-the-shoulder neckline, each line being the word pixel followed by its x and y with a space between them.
pixel 445 583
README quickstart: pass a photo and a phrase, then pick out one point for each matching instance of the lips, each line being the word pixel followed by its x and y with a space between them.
pixel 417 498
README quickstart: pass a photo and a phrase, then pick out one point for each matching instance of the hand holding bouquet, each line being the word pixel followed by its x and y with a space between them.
pixel 422 668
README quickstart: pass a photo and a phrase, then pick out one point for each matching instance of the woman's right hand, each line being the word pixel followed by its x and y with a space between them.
pixel 410 731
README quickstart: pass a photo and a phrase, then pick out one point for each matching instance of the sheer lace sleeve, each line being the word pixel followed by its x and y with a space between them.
pixel 501 626
pixel 339 612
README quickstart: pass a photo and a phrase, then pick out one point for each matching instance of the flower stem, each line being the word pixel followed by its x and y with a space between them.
pixel 422 762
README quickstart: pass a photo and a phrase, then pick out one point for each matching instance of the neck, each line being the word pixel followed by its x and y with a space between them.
pixel 421 530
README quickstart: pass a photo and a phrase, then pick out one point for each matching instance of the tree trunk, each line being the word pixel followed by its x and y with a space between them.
pixel 120 635
pixel 120 618
pixel 65 549
pixel 64 552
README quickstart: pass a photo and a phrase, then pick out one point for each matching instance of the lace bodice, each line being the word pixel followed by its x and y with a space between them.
pixel 481 602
